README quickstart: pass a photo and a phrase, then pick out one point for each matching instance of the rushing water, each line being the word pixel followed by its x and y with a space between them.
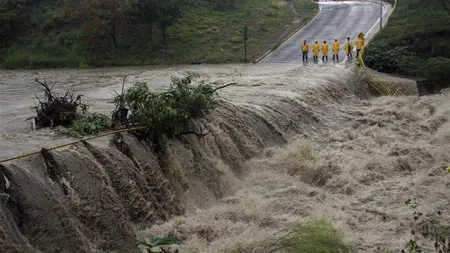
pixel 289 143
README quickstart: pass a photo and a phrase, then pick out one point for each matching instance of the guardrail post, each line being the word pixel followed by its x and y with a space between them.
pixel 381 14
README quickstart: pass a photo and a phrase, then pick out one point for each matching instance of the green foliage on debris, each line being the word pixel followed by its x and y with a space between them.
pixel 90 125
pixel 417 32
pixel 56 109
pixel 168 113
pixel 155 244
pixel 430 232
pixel 150 243
pixel 311 237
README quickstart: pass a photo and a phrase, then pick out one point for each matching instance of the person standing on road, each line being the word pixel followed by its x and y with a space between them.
pixel 324 51
pixel 305 50
pixel 359 43
pixel 336 49
pixel 316 49
pixel 348 47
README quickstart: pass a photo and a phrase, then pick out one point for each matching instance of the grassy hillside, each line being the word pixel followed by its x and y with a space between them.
pixel 415 42
pixel 55 35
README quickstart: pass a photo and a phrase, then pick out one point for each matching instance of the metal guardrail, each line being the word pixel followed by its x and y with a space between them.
pixel 378 85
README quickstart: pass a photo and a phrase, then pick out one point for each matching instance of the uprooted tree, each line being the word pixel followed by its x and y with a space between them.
pixel 160 116
pixel 57 110
pixel 168 114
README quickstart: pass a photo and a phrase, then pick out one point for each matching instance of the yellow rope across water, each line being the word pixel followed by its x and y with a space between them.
pixel 72 143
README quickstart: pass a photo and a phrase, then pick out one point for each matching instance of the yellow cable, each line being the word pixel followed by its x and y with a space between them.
pixel 72 143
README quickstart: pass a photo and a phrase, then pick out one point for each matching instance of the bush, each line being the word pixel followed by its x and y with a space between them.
pixel 382 57
pixel 151 243
pixel 429 231
pixel 420 26
pixel 222 5
pixel 437 71
pixel 91 125
pixel 411 65
pixel 312 237
pixel 167 113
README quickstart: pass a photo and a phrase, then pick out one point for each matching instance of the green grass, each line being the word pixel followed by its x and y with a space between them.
pixel 306 9
pixel 313 237
pixel 91 125
pixel 201 34
pixel 416 32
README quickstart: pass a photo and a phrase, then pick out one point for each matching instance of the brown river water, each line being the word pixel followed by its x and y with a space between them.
pixel 289 143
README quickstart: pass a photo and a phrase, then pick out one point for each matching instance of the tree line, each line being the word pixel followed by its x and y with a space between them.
pixel 102 22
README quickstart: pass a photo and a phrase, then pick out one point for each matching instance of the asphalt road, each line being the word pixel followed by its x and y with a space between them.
pixel 334 20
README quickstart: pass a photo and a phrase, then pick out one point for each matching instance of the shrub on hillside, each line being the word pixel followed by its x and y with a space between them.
pixel 410 65
pixel 221 5
pixel 381 56
pixel 437 70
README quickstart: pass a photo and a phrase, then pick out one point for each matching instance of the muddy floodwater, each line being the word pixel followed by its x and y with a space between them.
pixel 289 143
pixel 99 86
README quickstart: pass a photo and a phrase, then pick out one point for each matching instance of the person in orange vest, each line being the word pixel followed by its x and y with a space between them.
pixel 316 49
pixel 305 50
pixel 336 49
pixel 348 47
pixel 359 43
pixel 324 51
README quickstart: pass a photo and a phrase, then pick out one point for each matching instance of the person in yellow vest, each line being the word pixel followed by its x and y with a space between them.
pixel 336 49
pixel 348 47
pixel 305 50
pixel 324 50
pixel 359 43
pixel 316 49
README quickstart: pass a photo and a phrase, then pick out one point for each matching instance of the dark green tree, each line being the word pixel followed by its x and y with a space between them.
pixel 147 13
pixel 224 4
pixel 168 12
pixel 108 14
pixel 445 4
pixel 11 12
pixel 439 4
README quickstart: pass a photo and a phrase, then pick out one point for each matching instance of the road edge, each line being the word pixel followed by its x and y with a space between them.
pixel 312 18
pixel 287 37
pixel 370 34
pixel 370 38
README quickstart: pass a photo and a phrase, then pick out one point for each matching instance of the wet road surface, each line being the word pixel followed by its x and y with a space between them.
pixel 334 20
